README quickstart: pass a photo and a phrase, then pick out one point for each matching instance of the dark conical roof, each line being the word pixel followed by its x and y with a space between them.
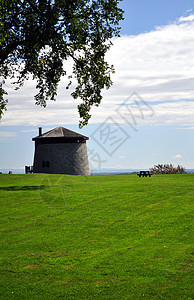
pixel 61 132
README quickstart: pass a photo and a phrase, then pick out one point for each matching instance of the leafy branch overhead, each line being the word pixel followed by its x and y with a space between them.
pixel 37 36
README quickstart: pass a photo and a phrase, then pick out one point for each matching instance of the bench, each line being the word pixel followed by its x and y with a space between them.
pixel 144 173
pixel 28 169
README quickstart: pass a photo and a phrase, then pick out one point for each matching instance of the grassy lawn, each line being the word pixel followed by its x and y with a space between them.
pixel 96 237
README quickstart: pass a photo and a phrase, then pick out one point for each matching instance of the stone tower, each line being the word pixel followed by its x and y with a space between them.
pixel 61 151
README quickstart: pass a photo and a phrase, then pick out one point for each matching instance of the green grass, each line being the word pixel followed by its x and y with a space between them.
pixel 96 237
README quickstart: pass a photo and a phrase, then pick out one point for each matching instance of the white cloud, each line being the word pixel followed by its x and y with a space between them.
pixel 119 167
pixel 178 156
pixel 186 128
pixel 158 65
pixel 7 134
pixel 186 19
pixel 17 168
pixel 29 130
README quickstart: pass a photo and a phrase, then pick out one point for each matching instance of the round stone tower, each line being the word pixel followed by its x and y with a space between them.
pixel 61 151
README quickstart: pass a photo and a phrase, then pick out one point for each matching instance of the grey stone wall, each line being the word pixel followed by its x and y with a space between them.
pixel 67 158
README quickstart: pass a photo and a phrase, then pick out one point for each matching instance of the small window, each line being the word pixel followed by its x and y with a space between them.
pixel 45 164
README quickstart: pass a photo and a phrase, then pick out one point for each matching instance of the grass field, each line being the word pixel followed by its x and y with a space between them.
pixel 96 237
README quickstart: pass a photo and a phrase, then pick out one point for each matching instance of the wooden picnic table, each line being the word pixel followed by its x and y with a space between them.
pixel 144 173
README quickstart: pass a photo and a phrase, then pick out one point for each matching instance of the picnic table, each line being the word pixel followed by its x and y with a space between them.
pixel 28 169
pixel 144 173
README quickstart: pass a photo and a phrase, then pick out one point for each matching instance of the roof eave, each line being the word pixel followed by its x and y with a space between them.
pixel 60 137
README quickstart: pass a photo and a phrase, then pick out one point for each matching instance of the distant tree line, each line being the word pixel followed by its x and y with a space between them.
pixel 167 169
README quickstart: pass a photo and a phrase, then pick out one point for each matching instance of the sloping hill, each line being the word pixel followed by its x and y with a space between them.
pixel 96 237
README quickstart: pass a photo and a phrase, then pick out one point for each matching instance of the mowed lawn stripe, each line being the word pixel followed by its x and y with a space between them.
pixel 96 237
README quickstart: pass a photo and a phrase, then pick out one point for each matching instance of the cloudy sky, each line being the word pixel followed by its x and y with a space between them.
pixel 146 118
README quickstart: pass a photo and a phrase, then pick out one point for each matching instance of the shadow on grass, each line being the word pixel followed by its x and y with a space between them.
pixel 22 188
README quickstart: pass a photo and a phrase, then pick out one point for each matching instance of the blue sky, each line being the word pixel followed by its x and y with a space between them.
pixel 146 118
pixel 142 16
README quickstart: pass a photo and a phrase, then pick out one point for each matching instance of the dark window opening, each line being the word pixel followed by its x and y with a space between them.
pixel 47 164
pixel 43 164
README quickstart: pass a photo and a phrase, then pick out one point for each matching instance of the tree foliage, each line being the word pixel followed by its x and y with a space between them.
pixel 3 101
pixel 37 36
pixel 167 169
